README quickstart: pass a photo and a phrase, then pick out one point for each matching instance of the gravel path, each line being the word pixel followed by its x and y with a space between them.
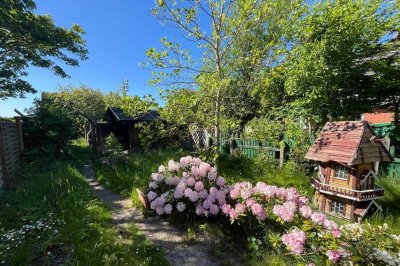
pixel 178 251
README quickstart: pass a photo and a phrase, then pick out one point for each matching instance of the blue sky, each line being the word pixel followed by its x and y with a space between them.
pixel 118 33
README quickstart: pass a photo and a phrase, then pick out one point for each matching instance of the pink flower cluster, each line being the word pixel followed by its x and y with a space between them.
pixel 190 184
pixel 194 186
pixel 333 255
pixel 295 241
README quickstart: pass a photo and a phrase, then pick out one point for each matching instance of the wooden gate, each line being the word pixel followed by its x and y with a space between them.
pixel 11 147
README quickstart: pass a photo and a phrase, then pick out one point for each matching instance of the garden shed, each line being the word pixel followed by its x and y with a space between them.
pixel 348 153
pixel 123 126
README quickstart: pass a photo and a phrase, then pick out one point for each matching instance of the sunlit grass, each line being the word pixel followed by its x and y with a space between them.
pixel 87 235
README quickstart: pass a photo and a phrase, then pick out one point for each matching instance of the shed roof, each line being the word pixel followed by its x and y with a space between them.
pixel 378 117
pixel 349 142
pixel 152 115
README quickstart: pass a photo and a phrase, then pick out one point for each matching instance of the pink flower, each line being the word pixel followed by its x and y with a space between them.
pixel 153 185
pixel 185 161
pixel 187 192
pixel 181 185
pixel 203 194
pixel 214 209
pixel 267 191
pixel 333 255
pixel 259 211
pixel 285 211
pixel 212 174
pixel 168 208
pixel 193 196
pixel 233 214
pixel 246 191
pixel 151 195
pixel 173 166
pixel 250 202
pixel 160 210
pixel 240 208
pixel 292 194
pixel 302 201
pixel 305 211
pixel 220 181
pixel 178 193
pixel 220 196
pixel 196 161
pixel 199 186
pixel 190 181
pixel 199 209
pixel 336 233
pixel 161 169
pixel 204 168
pixel 318 217
pixel 157 177
pixel 295 241
pixel 207 204
pixel 330 225
pixel 172 180
pixel 235 193
pixel 180 206
pixel 225 208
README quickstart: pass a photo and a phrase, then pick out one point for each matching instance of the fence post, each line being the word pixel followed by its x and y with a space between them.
pixel 281 154
pixel 3 163
pixel 20 137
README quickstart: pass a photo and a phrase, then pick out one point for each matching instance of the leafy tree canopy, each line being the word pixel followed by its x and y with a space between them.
pixel 30 39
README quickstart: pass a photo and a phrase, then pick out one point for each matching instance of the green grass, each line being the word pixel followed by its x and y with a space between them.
pixel 124 179
pixel 80 230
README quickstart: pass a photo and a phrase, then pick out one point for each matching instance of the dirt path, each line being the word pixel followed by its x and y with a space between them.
pixel 166 236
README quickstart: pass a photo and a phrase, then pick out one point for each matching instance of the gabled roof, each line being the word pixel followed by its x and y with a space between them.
pixel 119 115
pixel 348 142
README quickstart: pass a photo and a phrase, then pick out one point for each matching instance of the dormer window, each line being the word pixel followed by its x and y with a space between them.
pixel 341 172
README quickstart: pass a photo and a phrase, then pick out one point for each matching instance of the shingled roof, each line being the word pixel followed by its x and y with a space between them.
pixel 119 115
pixel 349 142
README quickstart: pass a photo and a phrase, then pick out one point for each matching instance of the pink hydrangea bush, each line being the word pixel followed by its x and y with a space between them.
pixel 189 185
pixel 193 186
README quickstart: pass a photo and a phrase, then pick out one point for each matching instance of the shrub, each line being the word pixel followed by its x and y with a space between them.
pixel 193 187
pixel 113 154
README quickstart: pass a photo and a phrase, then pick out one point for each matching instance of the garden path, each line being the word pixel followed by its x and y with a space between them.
pixel 178 251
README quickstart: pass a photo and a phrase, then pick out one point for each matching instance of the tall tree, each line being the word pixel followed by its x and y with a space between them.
pixel 326 73
pixel 218 28
pixel 28 39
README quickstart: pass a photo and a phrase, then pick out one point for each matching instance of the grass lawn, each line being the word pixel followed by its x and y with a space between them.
pixel 53 217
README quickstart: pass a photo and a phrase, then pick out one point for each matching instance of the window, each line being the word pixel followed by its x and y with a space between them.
pixel 337 207
pixel 341 172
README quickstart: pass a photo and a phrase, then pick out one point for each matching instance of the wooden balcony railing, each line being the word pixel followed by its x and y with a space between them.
pixel 359 195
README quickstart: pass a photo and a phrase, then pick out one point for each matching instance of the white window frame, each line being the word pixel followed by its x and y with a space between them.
pixel 341 172
pixel 337 207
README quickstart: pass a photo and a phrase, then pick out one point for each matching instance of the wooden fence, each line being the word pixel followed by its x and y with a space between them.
pixel 11 147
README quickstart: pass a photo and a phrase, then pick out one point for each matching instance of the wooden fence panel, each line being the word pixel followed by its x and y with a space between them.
pixel 11 147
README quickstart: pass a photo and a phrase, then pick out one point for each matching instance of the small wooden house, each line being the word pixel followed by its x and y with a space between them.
pixel 123 126
pixel 348 154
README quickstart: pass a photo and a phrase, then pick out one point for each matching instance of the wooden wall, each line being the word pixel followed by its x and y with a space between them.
pixel 349 183
pixel 325 205
pixel 11 147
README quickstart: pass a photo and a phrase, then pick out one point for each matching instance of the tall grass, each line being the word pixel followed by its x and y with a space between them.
pixel 87 236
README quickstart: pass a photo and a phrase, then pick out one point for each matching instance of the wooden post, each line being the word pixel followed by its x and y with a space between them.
pixel 3 163
pixel 20 136
pixel 282 154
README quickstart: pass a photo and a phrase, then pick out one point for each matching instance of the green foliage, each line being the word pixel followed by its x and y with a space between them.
pixel 47 130
pixel 327 71
pixel 135 173
pixel 86 236
pixel 113 154
pixel 31 39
